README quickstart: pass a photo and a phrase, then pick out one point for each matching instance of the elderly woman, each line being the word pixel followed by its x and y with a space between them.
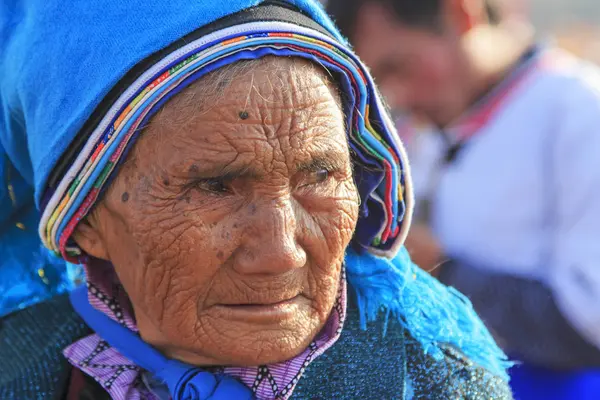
pixel 229 178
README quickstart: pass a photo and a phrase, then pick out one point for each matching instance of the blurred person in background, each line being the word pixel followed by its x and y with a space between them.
pixel 514 220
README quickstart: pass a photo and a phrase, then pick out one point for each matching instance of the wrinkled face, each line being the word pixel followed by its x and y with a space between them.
pixel 228 224
pixel 418 69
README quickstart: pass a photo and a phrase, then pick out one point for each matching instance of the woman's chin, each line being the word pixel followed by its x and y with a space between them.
pixel 256 341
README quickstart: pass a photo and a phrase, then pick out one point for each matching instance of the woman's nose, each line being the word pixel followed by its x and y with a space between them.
pixel 270 245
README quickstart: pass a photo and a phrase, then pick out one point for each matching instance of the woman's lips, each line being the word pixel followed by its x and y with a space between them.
pixel 263 312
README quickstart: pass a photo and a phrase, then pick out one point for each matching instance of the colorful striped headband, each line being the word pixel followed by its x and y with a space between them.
pixel 381 175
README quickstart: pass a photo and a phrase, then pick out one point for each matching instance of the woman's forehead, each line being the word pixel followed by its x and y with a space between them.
pixel 268 83
pixel 287 108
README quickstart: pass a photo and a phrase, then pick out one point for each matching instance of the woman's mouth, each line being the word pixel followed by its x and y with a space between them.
pixel 263 312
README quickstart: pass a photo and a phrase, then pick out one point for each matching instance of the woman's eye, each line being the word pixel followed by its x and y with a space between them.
pixel 215 186
pixel 321 176
pixel 315 178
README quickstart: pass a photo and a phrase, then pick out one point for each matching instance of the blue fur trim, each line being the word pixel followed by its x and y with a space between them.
pixel 434 314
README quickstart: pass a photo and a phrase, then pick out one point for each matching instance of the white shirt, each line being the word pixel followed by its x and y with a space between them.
pixel 523 196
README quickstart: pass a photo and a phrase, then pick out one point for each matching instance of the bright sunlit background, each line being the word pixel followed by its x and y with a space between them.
pixel 574 24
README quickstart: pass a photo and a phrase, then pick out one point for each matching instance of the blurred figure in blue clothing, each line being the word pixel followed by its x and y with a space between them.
pixel 29 273
pixel 514 216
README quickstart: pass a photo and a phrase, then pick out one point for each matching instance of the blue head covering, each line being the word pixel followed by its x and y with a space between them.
pixel 58 60
pixel 68 69
pixel 49 51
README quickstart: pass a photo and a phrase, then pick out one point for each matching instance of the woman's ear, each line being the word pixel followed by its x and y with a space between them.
pixel 88 238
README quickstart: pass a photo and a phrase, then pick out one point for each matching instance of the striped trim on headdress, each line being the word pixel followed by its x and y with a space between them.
pixel 384 182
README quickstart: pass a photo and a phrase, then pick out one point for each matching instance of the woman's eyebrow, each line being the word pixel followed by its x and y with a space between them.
pixel 225 172
pixel 331 160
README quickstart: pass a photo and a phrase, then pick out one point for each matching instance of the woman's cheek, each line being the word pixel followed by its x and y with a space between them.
pixel 170 271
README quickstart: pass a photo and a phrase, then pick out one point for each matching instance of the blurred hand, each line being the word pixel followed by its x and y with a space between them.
pixel 424 248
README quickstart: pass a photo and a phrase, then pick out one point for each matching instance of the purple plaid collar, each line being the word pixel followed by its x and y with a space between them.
pixel 123 380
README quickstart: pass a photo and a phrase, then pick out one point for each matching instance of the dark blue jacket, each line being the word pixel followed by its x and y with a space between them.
pixel 361 365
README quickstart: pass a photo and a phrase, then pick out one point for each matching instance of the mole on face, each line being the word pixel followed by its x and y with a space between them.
pixel 125 197
pixel 194 169
pixel 165 181
pixel 244 115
